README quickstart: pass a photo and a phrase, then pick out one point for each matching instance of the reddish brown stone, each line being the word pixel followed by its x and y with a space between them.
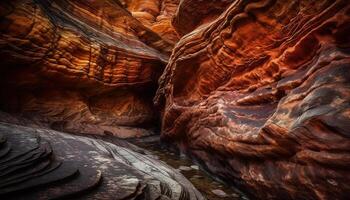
pixel 257 91
pixel 193 13
pixel 156 15
pixel 80 66
pixel 260 95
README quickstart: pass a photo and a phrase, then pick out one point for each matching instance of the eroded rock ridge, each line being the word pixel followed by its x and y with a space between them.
pixel 260 95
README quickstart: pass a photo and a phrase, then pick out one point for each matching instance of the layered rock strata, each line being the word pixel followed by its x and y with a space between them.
pixel 257 91
pixel 86 66
pixel 46 164
pixel 191 14
pixel 156 15
pixel 260 95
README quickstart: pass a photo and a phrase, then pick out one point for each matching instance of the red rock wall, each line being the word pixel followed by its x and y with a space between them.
pixel 260 95
pixel 257 91
pixel 192 13
pixel 87 66
pixel 156 15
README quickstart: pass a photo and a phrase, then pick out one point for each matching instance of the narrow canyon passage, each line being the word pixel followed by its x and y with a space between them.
pixel 175 99
pixel 206 183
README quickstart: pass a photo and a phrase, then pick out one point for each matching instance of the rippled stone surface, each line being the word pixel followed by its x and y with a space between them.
pixel 80 65
pixel 260 95
pixel 156 15
pixel 45 164
pixel 257 91
pixel 192 13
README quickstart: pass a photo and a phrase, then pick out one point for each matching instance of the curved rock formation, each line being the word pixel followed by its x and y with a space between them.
pixel 257 91
pixel 261 95
pixel 156 15
pixel 45 164
pixel 85 66
pixel 192 13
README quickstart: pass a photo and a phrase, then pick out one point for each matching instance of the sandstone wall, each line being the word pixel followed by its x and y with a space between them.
pixel 260 95
pixel 80 66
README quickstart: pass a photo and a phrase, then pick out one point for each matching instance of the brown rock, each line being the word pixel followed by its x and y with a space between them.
pixel 83 66
pixel 257 91
pixel 193 13
pixel 261 96
pixel 156 15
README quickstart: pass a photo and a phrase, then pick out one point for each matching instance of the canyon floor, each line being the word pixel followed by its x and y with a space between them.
pixel 175 99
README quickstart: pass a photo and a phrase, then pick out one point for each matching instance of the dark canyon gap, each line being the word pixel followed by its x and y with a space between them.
pixel 257 91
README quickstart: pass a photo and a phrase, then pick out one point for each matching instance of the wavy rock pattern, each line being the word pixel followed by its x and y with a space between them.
pixel 45 164
pixel 260 95
pixel 192 13
pixel 156 15
pixel 79 64
pixel 257 91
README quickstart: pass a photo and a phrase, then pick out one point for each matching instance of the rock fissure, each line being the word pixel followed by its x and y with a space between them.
pixel 257 92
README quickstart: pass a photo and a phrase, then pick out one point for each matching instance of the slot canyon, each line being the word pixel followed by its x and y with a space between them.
pixel 175 99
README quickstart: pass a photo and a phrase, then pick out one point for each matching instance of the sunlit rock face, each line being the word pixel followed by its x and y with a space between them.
pixel 82 66
pixel 260 95
pixel 156 15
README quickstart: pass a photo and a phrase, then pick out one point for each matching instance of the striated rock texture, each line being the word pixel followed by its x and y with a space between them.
pixel 261 95
pixel 156 15
pixel 46 164
pixel 192 13
pixel 82 66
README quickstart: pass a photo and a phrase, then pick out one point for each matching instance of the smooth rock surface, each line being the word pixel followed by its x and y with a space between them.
pixel 46 164
pixel 219 193
pixel 185 168
pixel 195 167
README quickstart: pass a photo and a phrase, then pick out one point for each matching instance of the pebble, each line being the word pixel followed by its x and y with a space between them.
pixel 235 195
pixel 219 193
pixel 197 177
pixel 185 168
pixel 244 198
pixel 195 167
